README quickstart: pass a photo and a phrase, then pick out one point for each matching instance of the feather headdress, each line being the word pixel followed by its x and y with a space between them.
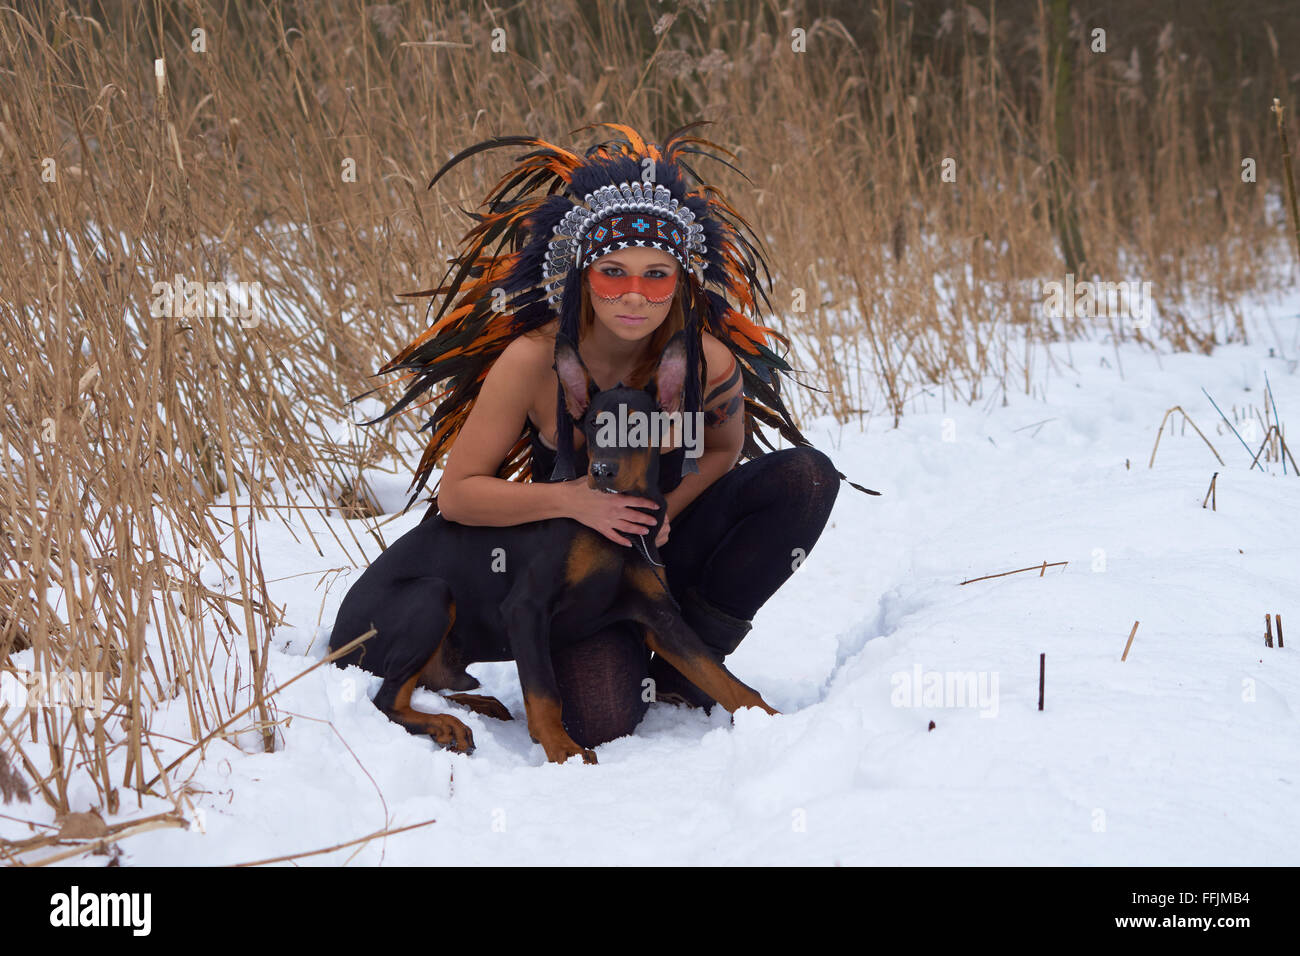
pixel 543 218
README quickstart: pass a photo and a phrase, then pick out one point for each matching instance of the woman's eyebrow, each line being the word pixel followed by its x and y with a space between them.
pixel 653 265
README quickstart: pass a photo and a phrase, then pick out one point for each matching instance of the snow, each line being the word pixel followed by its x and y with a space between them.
pixel 1185 753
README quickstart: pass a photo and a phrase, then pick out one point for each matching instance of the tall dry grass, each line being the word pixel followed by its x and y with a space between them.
pixel 141 452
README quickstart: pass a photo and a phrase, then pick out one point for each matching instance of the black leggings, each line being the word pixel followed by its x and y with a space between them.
pixel 738 542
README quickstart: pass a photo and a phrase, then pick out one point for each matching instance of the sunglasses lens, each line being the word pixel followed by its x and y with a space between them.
pixel 657 289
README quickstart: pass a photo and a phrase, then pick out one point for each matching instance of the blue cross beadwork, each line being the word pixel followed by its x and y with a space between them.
pixel 640 225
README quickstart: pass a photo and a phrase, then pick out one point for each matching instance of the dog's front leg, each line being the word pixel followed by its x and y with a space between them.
pixel 527 620
pixel 670 637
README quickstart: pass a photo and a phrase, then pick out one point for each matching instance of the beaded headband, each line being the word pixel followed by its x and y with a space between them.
pixel 618 217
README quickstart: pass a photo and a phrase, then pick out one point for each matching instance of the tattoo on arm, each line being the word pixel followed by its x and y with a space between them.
pixel 732 379
pixel 716 417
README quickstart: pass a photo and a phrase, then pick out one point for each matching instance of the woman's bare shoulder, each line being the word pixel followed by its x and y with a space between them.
pixel 718 358
pixel 524 371
pixel 535 345
pixel 531 352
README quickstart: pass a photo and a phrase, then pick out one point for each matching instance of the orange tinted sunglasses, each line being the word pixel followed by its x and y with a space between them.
pixel 610 287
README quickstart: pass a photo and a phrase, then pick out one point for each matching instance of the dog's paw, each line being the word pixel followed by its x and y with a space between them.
pixel 559 751
pixel 761 705
pixel 482 704
pixel 450 733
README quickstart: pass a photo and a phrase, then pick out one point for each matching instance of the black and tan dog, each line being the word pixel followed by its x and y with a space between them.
pixel 446 595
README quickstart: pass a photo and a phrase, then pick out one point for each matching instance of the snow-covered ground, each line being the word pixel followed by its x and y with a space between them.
pixel 1187 752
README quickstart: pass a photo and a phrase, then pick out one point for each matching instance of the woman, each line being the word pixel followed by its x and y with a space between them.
pixel 624 261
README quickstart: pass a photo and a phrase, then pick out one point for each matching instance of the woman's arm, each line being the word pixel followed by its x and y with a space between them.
pixel 724 427
pixel 470 492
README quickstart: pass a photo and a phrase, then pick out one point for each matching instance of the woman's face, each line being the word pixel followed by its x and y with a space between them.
pixel 632 290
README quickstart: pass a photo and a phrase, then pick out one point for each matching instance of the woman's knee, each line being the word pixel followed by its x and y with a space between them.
pixel 818 468
pixel 807 474
pixel 600 682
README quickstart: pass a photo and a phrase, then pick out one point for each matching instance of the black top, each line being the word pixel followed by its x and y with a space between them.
pixel 670 464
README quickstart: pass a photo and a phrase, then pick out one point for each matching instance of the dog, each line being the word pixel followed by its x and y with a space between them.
pixel 446 595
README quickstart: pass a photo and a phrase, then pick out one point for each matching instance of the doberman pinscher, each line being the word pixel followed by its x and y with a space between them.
pixel 446 595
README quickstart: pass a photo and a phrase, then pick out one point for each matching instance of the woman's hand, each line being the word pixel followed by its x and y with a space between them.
pixel 609 514
pixel 663 533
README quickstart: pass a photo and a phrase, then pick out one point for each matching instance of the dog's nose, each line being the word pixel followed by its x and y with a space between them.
pixel 604 469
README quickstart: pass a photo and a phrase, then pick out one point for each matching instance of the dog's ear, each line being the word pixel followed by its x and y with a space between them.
pixel 670 375
pixel 579 387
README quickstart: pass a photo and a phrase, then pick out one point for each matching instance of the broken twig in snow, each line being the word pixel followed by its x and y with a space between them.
pixel 1124 656
pixel 1040 568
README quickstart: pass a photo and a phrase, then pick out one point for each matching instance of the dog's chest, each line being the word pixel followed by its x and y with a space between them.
pixel 581 609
